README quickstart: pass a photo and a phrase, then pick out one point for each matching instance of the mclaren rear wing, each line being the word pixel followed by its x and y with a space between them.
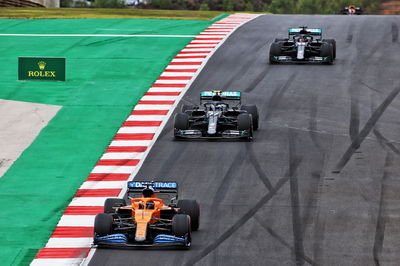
pixel 165 190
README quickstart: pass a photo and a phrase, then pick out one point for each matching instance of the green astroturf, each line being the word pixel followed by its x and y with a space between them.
pixel 105 79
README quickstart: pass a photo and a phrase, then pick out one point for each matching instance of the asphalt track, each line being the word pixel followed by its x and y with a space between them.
pixel 319 184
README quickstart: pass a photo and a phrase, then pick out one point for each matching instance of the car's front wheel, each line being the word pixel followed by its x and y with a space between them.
pixel 103 224
pixel 181 225
pixel 253 110
pixel 327 51
pixel 274 50
pixel 244 122
pixel 181 121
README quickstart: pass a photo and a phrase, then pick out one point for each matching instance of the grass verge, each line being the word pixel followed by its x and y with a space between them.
pixel 50 13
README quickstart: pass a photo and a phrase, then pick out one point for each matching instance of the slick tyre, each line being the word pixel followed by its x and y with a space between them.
pixel 333 43
pixel 113 202
pixel 274 50
pixel 253 110
pixel 103 224
pixel 181 225
pixel 327 51
pixel 187 107
pixel 191 208
pixel 244 122
pixel 181 121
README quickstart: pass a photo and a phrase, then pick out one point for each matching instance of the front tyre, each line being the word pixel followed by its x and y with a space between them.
pixel 333 43
pixel 181 225
pixel 327 51
pixel 253 110
pixel 181 121
pixel 244 122
pixel 103 224
pixel 274 50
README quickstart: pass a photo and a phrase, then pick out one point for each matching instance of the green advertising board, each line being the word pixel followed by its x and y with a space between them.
pixel 41 68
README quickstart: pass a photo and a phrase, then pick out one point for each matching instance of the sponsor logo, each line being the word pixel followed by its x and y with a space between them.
pixel 134 184
pixel 41 68
pixel 41 65
pixel 46 74
pixel 41 72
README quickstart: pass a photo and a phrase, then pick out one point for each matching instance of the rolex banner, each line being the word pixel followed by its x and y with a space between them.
pixel 41 68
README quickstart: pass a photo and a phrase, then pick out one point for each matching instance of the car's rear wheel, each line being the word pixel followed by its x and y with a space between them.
pixel 181 121
pixel 253 110
pixel 333 43
pixel 103 224
pixel 191 208
pixel 113 202
pixel 181 225
pixel 327 51
pixel 280 40
pixel 274 50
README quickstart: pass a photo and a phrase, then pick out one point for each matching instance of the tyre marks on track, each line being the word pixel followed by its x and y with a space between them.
pixel 395 32
pixel 354 127
pixel 349 37
pixel 295 201
pixel 385 142
pixel 381 221
pixel 365 130
pixel 312 122
pixel 257 166
pixel 235 166
pixel 294 162
pixel 280 239
pixel 277 96
pixel 247 216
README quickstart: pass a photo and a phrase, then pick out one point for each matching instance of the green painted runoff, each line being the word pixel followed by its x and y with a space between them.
pixel 106 76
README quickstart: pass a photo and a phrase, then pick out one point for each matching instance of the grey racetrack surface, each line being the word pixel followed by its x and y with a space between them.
pixel 320 183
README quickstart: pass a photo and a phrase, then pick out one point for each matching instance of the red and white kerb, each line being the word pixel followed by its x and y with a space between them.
pixel 71 240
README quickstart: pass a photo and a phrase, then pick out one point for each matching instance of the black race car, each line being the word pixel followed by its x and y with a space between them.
pixel 303 45
pixel 215 118
pixel 351 10
pixel 152 218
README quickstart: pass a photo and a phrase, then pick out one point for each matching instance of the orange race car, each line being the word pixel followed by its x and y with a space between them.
pixel 151 219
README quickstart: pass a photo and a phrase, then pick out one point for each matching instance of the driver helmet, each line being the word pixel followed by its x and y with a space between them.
pixel 148 192
pixel 302 39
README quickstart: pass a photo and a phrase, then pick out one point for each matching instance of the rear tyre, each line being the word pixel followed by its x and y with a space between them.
pixel 191 208
pixel 181 225
pixel 333 43
pixel 274 50
pixel 187 107
pixel 103 224
pixel 113 202
pixel 327 51
pixel 280 40
pixel 181 121
pixel 253 110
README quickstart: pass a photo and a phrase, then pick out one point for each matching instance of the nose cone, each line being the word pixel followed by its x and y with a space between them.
pixel 212 124
pixel 140 239
pixel 300 51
